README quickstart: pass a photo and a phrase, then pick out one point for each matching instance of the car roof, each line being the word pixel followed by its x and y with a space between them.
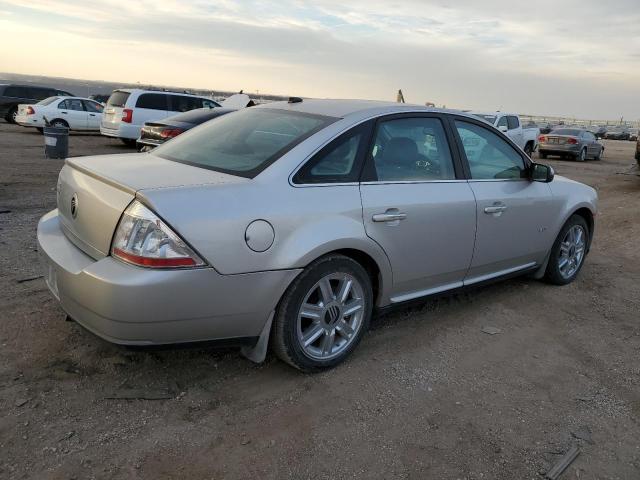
pixel 144 90
pixel 345 108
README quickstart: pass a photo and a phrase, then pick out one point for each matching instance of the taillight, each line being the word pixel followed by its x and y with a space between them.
pixel 572 141
pixel 542 139
pixel 127 115
pixel 30 111
pixel 145 240
pixel 171 132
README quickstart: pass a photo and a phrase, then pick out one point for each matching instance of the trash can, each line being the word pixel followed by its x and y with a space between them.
pixel 56 142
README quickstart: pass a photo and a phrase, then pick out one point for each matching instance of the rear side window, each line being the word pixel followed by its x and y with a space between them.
pixel 503 122
pixel 337 162
pixel 118 99
pixel 488 154
pixel 244 142
pixel 513 122
pixel 182 103
pixel 152 101
pixel 92 107
pixel 71 104
pixel 41 93
pixel 17 92
pixel 412 149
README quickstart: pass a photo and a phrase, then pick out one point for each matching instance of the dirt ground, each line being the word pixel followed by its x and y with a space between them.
pixel 426 395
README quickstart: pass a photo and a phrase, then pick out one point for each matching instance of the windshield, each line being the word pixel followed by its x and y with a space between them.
pixel 47 101
pixel 487 118
pixel 567 131
pixel 118 99
pixel 244 142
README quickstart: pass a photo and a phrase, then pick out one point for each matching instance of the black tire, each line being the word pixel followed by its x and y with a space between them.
pixel 40 129
pixel 543 155
pixel 553 274
pixel 11 115
pixel 528 149
pixel 58 122
pixel 582 156
pixel 599 155
pixel 129 142
pixel 284 337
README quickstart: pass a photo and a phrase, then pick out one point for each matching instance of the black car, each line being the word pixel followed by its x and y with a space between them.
pixel 156 133
pixel 617 133
pixel 12 95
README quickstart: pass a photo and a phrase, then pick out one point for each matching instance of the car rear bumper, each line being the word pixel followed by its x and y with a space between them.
pixel 122 130
pixel 148 143
pixel 554 148
pixel 130 305
pixel 29 121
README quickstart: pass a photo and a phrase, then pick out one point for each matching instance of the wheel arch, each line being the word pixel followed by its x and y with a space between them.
pixel 588 217
pixel 57 119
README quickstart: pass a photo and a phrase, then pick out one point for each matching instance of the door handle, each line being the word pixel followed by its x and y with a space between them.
pixel 495 209
pixel 64 113
pixel 388 217
pixel 92 114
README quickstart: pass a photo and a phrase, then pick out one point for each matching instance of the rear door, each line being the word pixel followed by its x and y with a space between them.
pixel 513 213
pixel 94 114
pixel 515 130
pixel 72 111
pixel 417 205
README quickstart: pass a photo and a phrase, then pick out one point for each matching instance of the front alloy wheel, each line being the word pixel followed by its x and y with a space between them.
pixel 323 314
pixel 568 252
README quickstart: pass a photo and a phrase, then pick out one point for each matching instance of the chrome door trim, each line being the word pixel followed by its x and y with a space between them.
pixel 500 273
pixel 423 293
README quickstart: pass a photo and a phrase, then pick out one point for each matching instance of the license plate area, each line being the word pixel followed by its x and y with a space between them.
pixel 50 276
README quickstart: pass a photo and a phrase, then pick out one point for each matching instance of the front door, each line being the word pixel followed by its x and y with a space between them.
pixel 416 207
pixel 514 214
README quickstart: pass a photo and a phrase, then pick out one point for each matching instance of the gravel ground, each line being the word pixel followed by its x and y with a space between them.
pixel 426 395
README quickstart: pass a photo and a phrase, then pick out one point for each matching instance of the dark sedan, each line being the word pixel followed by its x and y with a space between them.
pixel 617 133
pixel 576 143
pixel 156 133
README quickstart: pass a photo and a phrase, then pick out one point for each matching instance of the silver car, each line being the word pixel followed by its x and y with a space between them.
pixel 576 143
pixel 288 224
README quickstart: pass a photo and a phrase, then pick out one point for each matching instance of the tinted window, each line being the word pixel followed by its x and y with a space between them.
pixel 92 107
pixel 62 93
pixel 335 163
pixel 47 101
pixel 503 123
pixel 18 92
pixel 182 103
pixel 206 103
pixel 243 142
pixel 412 149
pixel 40 93
pixel 118 99
pixel 152 101
pixel 488 154
pixel 513 122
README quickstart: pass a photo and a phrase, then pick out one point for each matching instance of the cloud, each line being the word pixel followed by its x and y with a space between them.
pixel 574 57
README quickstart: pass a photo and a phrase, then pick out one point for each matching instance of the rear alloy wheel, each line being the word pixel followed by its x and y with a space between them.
pixel 59 124
pixel 528 149
pixel 582 156
pixel 599 156
pixel 324 314
pixel 568 252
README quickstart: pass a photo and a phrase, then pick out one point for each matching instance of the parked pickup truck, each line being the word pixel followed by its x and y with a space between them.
pixel 511 125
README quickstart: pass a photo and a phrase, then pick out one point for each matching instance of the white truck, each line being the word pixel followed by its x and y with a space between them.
pixel 511 125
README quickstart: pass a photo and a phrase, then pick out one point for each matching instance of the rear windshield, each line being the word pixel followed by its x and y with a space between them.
pixel 487 118
pixel 244 142
pixel 199 115
pixel 118 99
pixel 47 101
pixel 567 131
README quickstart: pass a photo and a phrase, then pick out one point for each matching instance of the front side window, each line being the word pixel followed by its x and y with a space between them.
pixel 488 154
pixel 244 142
pixel 412 149
pixel 335 163
pixel 152 101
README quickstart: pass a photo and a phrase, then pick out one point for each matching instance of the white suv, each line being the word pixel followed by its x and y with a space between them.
pixel 128 109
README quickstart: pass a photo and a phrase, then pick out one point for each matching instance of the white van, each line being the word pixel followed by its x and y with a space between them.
pixel 128 109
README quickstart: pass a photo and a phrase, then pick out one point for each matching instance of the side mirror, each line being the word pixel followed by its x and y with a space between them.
pixel 542 173
pixel 503 129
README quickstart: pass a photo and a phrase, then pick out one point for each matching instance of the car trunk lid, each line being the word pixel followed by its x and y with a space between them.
pixel 94 191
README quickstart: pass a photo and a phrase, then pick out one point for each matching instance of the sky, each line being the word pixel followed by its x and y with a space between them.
pixel 576 58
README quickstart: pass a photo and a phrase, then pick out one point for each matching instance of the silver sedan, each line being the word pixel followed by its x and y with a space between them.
pixel 576 143
pixel 287 225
